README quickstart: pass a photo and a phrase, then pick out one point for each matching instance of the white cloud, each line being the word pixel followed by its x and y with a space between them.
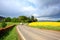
pixel 48 18
pixel 30 8
pixel 36 15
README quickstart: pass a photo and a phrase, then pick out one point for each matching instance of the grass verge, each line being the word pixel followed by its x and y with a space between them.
pixel 10 34
pixel 47 27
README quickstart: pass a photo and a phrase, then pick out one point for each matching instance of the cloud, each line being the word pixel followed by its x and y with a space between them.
pixel 43 9
pixel 48 18
pixel 30 8
pixel 35 15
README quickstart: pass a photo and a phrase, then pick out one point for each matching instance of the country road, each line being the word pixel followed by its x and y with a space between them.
pixel 38 34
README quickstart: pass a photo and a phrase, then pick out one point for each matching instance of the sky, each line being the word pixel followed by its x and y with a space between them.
pixel 41 9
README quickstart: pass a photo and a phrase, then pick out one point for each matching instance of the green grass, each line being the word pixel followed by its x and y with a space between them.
pixel 47 27
pixel 9 24
pixel 0 25
pixel 12 34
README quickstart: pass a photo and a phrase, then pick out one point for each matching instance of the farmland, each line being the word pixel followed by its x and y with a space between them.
pixel 46 25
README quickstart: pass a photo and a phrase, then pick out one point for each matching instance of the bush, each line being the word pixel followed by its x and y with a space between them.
pixel 3 24
pixel 58 21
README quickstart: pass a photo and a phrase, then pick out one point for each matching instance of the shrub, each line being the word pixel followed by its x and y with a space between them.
pixel 58 21
pixel 3 24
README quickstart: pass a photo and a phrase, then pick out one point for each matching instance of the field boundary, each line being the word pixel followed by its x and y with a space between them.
pixel 4 30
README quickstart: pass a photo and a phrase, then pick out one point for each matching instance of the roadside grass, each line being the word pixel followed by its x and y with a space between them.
pixel 0 25
pixel 11 23
pixel 11 34
pixel 47 27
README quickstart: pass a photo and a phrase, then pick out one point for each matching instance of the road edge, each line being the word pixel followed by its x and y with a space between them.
pixel 20 34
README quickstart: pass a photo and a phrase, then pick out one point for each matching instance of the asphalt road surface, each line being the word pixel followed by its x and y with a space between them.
pixel 38 34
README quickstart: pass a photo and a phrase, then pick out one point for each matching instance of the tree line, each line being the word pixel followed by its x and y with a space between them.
pixel 20 19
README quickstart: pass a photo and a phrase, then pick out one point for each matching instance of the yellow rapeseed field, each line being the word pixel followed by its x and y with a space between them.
pixel 57 24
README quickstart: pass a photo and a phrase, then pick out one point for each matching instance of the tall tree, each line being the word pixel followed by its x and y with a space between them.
pixel 8 19
pixel 14 19
pixel 33 19
pixel 22 18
